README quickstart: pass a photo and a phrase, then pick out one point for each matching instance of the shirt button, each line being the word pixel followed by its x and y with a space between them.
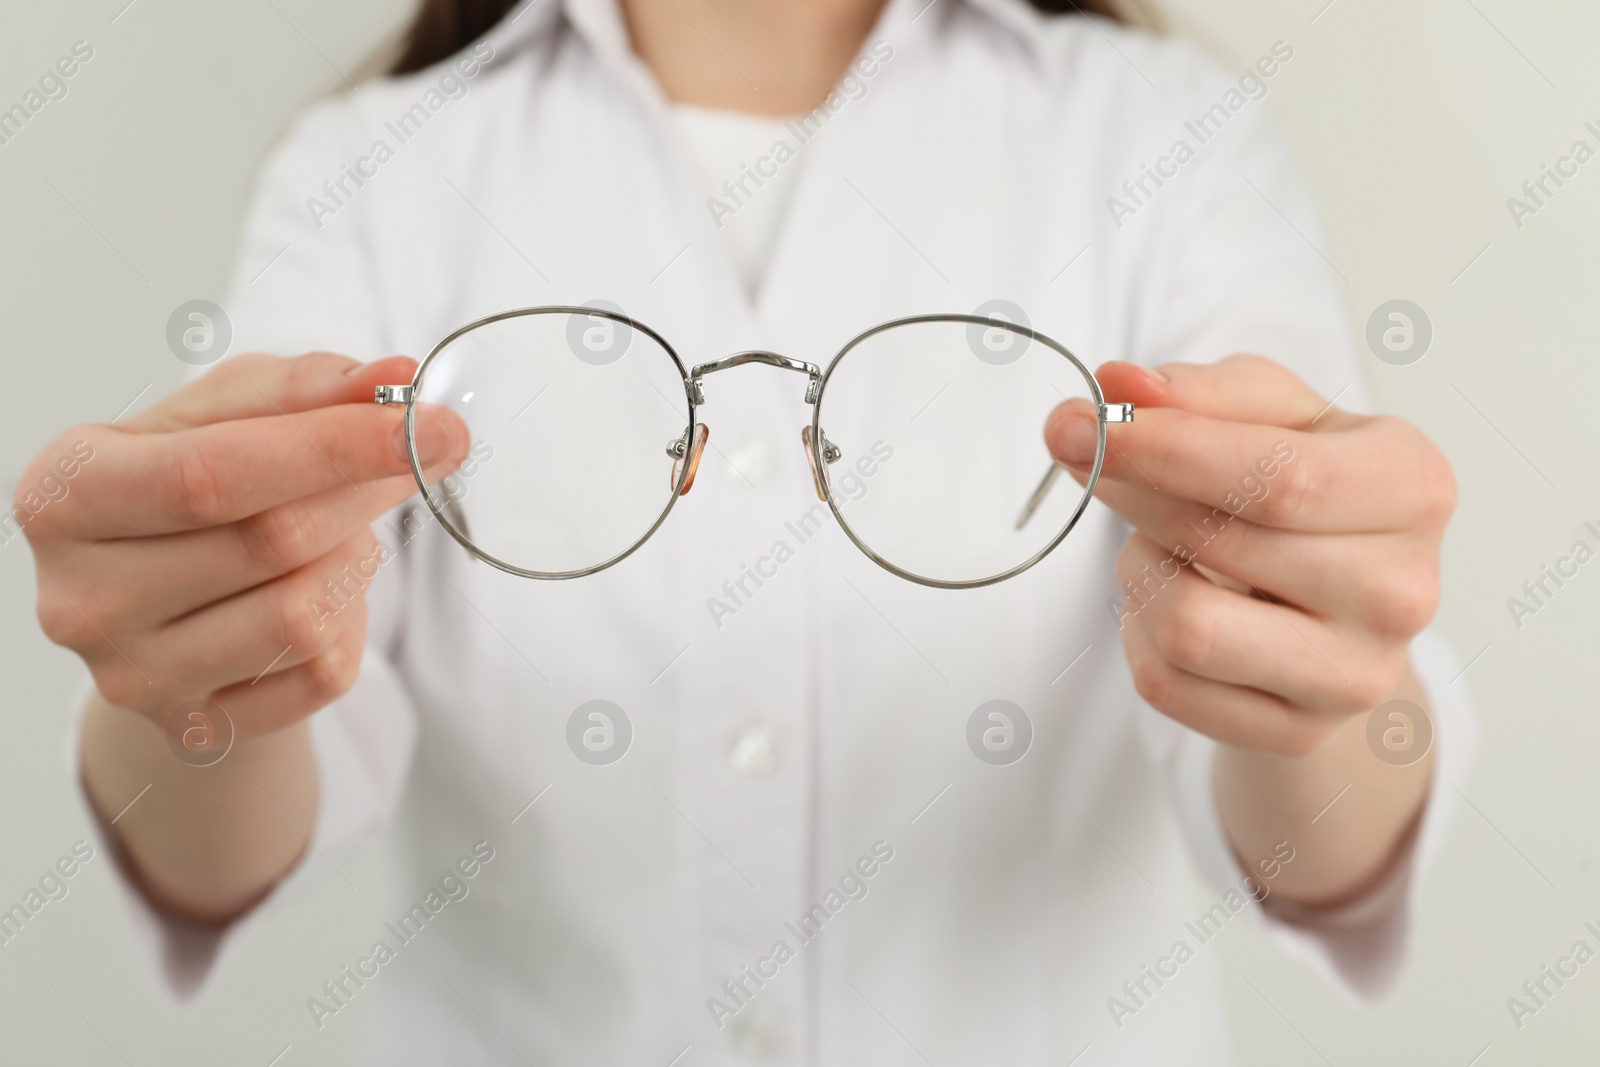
pixel 750 462
pixel 754 753
pixel 758 1034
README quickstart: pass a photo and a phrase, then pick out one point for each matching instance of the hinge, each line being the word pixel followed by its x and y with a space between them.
pixel 392 394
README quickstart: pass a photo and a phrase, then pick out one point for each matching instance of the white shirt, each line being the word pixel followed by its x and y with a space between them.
pixel 773 754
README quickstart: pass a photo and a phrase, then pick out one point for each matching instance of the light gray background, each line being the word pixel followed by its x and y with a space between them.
pixel 1415 120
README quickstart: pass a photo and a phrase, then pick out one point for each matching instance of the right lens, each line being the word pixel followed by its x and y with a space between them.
pixel 571 412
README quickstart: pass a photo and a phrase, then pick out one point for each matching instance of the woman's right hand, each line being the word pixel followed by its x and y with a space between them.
pixel 188 554
pixel 183 555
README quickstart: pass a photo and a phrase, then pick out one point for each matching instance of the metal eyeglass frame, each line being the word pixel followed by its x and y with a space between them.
pixel 821 452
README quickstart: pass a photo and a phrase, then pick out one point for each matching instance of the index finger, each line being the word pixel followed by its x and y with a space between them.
pixel 255 385
pixel 1239 388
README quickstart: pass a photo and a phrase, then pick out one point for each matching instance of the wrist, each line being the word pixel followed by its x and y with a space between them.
pixel 1349 815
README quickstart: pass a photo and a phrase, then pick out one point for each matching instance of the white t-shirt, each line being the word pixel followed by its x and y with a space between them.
pixel 972 154
pixel 746 189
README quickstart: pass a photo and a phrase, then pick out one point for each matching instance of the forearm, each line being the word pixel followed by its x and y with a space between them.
pixel 1264 799
pixel 205 843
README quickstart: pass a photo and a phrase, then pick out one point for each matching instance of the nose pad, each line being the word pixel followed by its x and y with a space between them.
pixel 830 454
pixel 689 454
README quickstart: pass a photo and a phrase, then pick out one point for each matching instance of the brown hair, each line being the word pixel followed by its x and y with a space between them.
pixel 444 27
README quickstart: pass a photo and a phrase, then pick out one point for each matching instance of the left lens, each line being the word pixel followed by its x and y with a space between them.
pixel 939 425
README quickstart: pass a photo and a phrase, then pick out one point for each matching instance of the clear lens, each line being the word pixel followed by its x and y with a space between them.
pixel 571 415
pixel 940 430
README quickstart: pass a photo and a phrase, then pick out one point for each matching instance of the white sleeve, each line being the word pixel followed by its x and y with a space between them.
pixel 1242 265
pixel 297 288
pixel 303 278
pixel 363 744
pixel 1246 269
pixel 1362 948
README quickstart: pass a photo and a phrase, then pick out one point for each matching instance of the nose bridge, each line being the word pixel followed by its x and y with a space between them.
pixel 812 372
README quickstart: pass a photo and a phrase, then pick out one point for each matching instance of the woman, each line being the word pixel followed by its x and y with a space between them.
pixel 799 774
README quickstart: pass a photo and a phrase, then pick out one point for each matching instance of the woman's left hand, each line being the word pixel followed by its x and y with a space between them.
pixel 1285 551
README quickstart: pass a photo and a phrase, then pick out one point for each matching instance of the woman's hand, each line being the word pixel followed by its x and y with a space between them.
pixel 1285 553
pixel 184 557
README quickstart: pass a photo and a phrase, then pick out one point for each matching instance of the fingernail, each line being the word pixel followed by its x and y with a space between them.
pixel 354 369
pixel 397 441
pixel 1074 438
pixel 1149 372
pixel 433 436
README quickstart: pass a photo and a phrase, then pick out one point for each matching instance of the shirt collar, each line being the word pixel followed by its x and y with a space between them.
pixel 602 25
pixel 1026 22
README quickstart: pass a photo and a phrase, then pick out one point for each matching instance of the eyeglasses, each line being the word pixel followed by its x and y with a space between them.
pixel 925 440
